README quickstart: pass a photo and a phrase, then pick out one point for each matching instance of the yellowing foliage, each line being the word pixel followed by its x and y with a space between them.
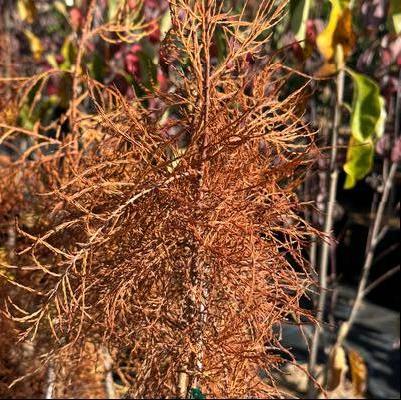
pixel 337 32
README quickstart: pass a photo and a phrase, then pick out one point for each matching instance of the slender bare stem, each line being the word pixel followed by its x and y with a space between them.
pixel 183 381
pixel 50 382
pixel 201 270
pixel 108 379
pixel 371 247
pixel 381 279
pixel 11 241
pixel 328 225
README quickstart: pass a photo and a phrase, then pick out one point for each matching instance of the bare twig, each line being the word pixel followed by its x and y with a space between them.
pixel 371 247
pixel 385 252
pixel 50 381
pixel 381 279
pixel 328 226
pixel 108 379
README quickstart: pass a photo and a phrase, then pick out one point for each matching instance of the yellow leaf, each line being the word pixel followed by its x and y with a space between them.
pixel 337 368
pixel 4 271
pixel 34 44
pixel 27 10
pixel 338 31
pixel 359 373
pixel 61 8
pixel 394 16
pixel 68 51
pixel 177 153
pixel 9 113
pixel 51 59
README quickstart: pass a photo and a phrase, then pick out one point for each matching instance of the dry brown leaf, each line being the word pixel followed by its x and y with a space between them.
pixel 326 70
pixel 359 372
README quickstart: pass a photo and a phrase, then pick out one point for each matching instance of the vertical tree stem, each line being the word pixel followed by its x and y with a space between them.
pixel 370 250
pixel 108 374
pixel 50 382
pixel 328 225
pixel 200 270
pixel 183 381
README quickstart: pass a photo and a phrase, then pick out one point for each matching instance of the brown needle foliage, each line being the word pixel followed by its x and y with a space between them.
pixel 176 242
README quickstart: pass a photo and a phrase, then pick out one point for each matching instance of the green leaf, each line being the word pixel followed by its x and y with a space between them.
pixel 69 53
pixel 367 108
pixel 299 11
pixel 112 9
pixel 394 16
pixel 359 161
pixel 25 119
pixel 368 115
pixel 147 67
pixel 97 67
pixel 165 24
pixel 220 44
pixel 381 122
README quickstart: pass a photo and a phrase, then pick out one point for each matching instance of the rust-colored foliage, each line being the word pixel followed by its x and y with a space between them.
pixel 170 236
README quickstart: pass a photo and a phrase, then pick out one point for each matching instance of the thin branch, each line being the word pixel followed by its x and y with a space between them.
pixel 381 279
pixel 371 247
pixel 50 382
pixel 108 379
pixel 328 226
